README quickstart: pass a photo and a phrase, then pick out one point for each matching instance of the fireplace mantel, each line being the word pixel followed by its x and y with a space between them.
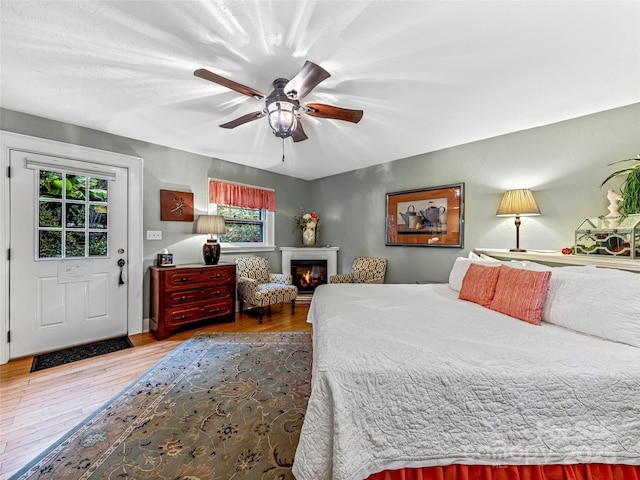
pixel 330 254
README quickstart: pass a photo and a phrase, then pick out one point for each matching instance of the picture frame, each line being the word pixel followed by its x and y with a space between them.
pixel 426 217
pixel 165 259
pixel 176 206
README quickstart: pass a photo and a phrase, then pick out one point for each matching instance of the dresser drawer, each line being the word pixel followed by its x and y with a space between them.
pixel 192 295
pixel 188 277
pixel 191 313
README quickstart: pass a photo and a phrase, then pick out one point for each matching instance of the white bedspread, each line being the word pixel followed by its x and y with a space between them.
pixel 408 376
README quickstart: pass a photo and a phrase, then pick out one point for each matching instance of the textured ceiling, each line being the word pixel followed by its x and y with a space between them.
pixel 428 74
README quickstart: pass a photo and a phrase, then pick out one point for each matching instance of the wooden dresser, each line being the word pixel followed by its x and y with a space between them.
pixel 186 294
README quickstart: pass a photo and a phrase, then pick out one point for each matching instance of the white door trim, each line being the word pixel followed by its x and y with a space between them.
pixel 14 141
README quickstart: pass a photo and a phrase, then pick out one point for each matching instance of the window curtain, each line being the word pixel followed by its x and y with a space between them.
pixel 593 471
pixel 245 196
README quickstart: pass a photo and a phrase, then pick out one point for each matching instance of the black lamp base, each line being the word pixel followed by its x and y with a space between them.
pixel 517 250
pixel 211 252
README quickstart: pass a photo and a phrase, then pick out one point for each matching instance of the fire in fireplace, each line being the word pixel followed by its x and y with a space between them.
pixel 308 274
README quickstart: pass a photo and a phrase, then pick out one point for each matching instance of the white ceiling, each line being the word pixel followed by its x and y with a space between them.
pixel 428 74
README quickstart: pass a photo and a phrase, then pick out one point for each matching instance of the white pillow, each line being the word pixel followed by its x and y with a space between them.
pixel 607 306
pixel 460 267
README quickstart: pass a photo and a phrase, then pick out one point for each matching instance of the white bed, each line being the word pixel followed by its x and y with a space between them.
pixel 411 376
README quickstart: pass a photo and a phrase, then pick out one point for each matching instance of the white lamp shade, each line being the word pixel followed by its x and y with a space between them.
pixel 213 224
pixel 518 202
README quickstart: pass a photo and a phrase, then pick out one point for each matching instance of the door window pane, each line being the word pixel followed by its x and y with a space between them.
pixel 67 218
pixel 98 190
pixel 98 216
pixel 50 214
pixel 50 184
pixel 75 244
pixel 76 187
pixel 98 244
pixel 75 215
pixel 50 243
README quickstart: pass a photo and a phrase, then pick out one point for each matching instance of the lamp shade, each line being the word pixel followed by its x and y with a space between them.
pixel 210 224
pixel 518 202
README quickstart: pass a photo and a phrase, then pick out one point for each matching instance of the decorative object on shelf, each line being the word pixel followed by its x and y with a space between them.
pixel 165 259
pixel 308 222
pixel 614 216
pixel 519 202
pixel 426 217
pixel 614 203
pixel 630 188
pixel 176 206
pixel 212 225
pixel 596 236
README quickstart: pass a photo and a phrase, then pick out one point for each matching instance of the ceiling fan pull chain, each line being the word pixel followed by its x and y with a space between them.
pixel 283 149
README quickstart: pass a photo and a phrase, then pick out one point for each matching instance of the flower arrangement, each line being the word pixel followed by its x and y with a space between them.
pixel 307 220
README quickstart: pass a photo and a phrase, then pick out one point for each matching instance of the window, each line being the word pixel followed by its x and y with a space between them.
pixel 243 225
pixel 72 221
pixel 248 215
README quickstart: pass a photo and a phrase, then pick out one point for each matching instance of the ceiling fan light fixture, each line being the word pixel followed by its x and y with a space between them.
pixel 282 118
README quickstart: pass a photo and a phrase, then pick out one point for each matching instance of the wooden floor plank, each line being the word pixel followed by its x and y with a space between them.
pixel 38 408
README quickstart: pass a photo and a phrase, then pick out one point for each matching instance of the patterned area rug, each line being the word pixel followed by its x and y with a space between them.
pixel 73 354
pixel 220 406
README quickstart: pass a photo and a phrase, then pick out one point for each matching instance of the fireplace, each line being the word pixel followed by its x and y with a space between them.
pixel 308 274
pixel 324 256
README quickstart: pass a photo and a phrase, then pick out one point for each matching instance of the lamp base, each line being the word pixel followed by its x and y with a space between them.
pixel 517 250
pixel 211 252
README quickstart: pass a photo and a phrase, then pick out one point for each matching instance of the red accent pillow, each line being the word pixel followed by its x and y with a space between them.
pixel 479 284
pixel 520 293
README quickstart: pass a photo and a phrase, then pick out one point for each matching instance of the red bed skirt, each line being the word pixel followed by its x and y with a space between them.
pixel 593 471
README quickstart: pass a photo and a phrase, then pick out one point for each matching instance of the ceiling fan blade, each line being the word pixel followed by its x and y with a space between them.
pixel 306 80
pixel 249 117
pixel 225 82
pixel 298 134
pixel 337 113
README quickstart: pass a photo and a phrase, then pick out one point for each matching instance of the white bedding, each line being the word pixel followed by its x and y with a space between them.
pixel 409 376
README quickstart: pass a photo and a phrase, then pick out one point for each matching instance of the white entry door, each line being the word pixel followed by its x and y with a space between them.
pixel 67 272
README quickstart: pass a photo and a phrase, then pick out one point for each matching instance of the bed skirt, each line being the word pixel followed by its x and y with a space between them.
pixel 594 471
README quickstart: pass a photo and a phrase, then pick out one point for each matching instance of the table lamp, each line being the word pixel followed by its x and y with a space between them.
pixel 213 225
pixel 519 203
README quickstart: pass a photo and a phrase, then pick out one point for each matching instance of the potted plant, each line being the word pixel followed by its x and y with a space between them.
pixel 630 188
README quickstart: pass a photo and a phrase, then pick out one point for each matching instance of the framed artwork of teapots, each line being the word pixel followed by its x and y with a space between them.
pixel 426 217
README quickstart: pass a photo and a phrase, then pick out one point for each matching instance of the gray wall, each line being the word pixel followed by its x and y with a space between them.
pixel 563 164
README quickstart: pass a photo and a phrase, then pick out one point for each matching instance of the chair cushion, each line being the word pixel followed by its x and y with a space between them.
pixel 272 293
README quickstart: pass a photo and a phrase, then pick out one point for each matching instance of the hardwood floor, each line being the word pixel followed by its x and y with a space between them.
pixel 38 408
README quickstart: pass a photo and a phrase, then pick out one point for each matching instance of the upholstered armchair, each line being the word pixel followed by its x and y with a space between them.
pixel 259 287
pixel 363 270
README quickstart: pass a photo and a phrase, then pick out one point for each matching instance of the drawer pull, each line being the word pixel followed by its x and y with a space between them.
pixel 184 279
pixel 182 317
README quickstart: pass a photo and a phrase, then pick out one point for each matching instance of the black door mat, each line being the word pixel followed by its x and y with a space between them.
pixel 73 354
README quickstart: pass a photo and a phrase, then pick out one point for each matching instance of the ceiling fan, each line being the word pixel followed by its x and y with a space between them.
pixel 282 105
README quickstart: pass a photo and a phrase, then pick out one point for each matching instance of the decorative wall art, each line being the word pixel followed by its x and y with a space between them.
pixel 176 206
pixel 426 217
